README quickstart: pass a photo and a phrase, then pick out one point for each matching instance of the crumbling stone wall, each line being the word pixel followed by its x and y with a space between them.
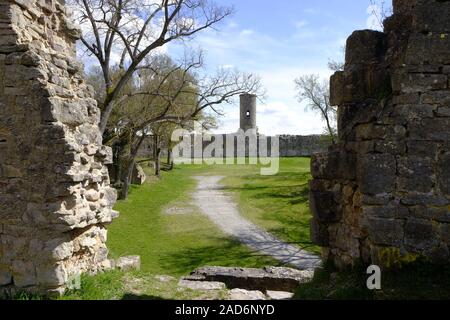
pixel 382 195
pixel 55 198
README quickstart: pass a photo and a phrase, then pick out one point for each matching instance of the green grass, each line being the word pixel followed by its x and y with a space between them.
pixel 173 244
pixel 176 244
pixel 116 285
pixel 277 203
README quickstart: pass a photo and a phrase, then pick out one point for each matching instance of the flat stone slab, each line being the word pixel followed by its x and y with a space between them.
pixel 202 285
pixel 240 294
pixel 269 278
pixel 279 295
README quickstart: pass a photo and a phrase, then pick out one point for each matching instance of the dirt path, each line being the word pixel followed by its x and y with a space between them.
pixel 223 211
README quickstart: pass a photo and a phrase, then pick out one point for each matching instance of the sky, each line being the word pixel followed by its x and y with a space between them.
pixel 280 41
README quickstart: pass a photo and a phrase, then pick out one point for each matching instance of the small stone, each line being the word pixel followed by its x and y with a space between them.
pixel 279 295
pixel 242 295
pixel 92 195
pixel 129 263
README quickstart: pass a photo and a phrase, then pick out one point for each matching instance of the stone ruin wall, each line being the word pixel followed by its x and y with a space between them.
pixel 55 199
pixel 382 195
pixel 290 146
pixel 302 146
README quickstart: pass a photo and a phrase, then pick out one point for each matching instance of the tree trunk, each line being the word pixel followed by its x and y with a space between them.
pixel 129 170
pixel 330 130
pixel 158 163
pixel 170 158
pixel 127 181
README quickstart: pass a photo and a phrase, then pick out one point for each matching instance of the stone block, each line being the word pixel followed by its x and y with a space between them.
pixel 403 82
pixel 429 48
pixel 422 148
pixel 5 275
pixel 128 263
pixel 337 84
pixel 440 97
pixel 420 235
pixel 269 278
pixel 319 233
pixel 245 295
pixel 365 47
pixel 415 174
pixel 384 231
pixel 405 114
pixel 432 18
pixel 414 198
pixel 376 173
pixel 443 112
pixel 443 175
pixel 444 232
pixel 407 98
pixel 421 130
pixel 279 295
pixel 391 147
pixel 337 164
pixel 324 206
pixel 380 132
pixel 439 214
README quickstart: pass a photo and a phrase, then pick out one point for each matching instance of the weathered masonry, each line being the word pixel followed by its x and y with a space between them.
pixel 382 195
pixel 55 198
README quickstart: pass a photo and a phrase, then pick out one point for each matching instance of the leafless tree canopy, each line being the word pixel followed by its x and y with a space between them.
pixel 131 30
pixel 317 95
pixel 380 10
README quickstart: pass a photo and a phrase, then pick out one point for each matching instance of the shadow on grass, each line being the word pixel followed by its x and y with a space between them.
pixel 419 280
pixel 134 297
pixel 229 253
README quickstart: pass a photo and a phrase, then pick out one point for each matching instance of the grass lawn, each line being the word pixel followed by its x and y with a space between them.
pixel 277 203
pixel 158 223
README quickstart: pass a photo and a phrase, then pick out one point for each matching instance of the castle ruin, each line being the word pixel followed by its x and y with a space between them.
pixel 55 199
pixel 382 195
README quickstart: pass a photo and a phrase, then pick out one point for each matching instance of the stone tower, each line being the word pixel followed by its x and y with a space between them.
pixel 55 198
pixel 248 112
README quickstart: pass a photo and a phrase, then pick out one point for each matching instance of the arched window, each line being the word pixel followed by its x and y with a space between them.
pixel 248 114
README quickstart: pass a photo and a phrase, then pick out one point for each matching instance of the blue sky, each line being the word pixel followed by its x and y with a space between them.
pixel 281 40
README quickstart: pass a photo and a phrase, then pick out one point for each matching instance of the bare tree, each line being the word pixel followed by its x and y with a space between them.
pixel 338 65
pixel 379 10
pixel 131 30
pixel 316 93
pixel 170 95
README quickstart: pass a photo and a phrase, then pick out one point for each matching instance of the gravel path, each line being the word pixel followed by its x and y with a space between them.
pixel 223 211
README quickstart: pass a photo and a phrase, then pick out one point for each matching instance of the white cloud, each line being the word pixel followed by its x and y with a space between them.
pixel 301 24
pixel 275 61
pixel 247 32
